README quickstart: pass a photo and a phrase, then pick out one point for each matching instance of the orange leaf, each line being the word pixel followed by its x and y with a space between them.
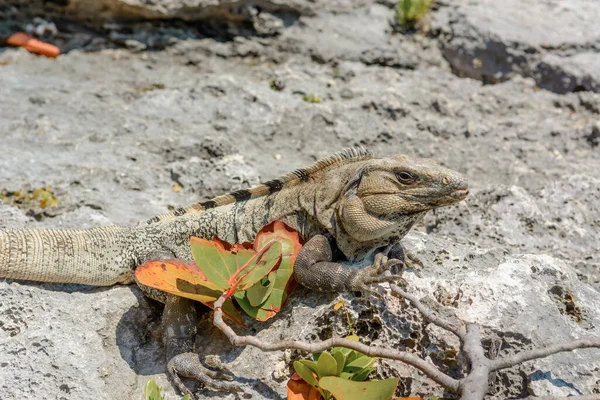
pixel 184 279
pixel 32 45
pixel 298 389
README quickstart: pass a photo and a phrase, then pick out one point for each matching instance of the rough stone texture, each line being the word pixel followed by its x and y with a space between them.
pixel 556 42
pixel 568 74
pixel 114 133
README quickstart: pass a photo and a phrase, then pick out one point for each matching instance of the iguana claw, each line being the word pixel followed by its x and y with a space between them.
pixel 361 280
pixel 188 365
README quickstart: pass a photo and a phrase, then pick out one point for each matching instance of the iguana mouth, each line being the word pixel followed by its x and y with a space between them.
pixel 459 194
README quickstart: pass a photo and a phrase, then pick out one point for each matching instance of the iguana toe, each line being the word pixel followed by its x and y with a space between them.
pixel 188 365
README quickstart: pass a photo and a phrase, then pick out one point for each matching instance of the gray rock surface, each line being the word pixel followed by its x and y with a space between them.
pixel 571 73
pixel 114 133
pixel 556 42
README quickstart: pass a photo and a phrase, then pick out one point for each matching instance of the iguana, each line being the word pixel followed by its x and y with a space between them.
pixel 350 204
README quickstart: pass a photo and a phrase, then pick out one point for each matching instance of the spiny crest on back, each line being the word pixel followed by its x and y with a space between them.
pixel 275 185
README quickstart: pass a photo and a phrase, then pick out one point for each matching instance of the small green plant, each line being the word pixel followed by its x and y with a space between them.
pixel 410 11
pixel 311 98
pixel 153 392
pixel 259 275
pixel 277 85
pixel 41 197
pixel 340 373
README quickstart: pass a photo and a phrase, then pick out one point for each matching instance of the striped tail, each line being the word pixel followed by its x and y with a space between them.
pixel 99 256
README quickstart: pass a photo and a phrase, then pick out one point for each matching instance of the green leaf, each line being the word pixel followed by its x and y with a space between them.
pixel 284 274
pixel 310 364
pixel 352 355
pixel 186 397
pixel 152 391
pixel 410 11
pixel 193 291
pixel 239 270
pixel 361 362
pixel 258 293
pixel 343 389
pixel 264 262
pixel 362 374
pixel 305 373
pixel 360 368
pixel 238 258
pixel 340 359
pixel 210 259
pixel 326 365
pixel 346 375
pixel 283 286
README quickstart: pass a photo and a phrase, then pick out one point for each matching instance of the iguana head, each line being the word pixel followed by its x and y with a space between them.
pixel 384 197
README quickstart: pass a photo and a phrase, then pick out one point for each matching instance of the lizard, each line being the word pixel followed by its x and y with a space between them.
pixel 345 206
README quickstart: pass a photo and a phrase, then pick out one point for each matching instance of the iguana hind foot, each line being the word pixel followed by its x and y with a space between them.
pixel 180 323
pixel 189 365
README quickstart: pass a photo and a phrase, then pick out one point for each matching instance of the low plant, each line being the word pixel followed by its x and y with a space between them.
pixel 311 98
pixel 341 373
pixel 259 275
pixel 410 11
pixel 153 392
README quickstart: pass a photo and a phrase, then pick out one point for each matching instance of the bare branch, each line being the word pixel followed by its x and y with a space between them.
pixel 475 385
pixel 471 387
pixel 507 362
pixel 428 314
pixel 428 369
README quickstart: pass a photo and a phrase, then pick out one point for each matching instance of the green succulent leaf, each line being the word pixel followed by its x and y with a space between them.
pixel 258 293
pixel 362 374
pixel 326 365
pixel 216 266
pixel 359 363
pixel 340 359
pixel 152 391
pixel 261 303
pixel 346 375
pixel 265 261
pixel 305 373
pixel 343 389
pixel 310 364
pixel 351 356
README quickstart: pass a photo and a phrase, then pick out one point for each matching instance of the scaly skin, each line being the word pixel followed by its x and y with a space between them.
pixel 351 201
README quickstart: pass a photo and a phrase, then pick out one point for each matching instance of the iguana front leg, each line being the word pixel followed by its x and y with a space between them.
pixel 315 269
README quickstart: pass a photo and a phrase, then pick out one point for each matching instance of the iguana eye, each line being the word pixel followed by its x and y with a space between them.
pixel 406 177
